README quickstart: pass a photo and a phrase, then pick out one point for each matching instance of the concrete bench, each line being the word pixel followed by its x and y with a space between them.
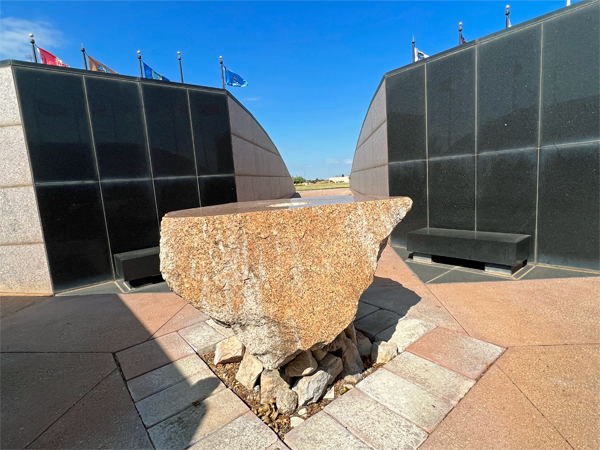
pixel 501 252
pixel 137 264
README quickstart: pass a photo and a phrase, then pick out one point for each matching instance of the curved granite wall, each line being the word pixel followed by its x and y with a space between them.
pixel 501 134
pixel 91 162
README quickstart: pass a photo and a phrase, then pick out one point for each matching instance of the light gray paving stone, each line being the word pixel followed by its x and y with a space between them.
pixel 278 446
pixel 174 399
pixel 405 332
pixel 247 432
pixel 375 424
pixel 159 379
pixel 322 432
pixel 364 309
pixel 197 421
pixel 405 398
pixel 202 337
pixel 228 332
pixel 375 323
pixel 436 379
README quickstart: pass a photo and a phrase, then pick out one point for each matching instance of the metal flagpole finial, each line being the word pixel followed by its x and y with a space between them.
pixel 222 72
pixel 83 54
pixel 140 60
pixel 32 40
pixel 180 68
pixel 508 25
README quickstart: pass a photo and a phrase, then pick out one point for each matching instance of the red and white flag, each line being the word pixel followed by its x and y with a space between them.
pixel 50 59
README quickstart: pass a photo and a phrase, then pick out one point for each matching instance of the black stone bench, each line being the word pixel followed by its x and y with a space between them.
pixel 501 252
pixel 137 264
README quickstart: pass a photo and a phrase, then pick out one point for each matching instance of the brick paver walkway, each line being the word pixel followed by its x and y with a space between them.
pixel 498 365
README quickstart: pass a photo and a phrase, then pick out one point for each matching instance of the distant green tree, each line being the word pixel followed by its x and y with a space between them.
pixel 298 180
pixel 343 175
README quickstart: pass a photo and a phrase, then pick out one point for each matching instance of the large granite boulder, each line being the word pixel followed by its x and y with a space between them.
pixel 286 276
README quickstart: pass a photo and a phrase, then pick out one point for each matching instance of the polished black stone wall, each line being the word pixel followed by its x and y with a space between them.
pixel 111 155
pixel 502 134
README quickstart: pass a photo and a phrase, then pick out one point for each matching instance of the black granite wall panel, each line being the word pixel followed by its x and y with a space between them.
pixel 409 179
pixel 508 81
pixel 217 190
pixel 118 128
pixel 571 79
pixel 569 218
pixel 173 194
pixel 406 115
pixel 506 193
pixel 56 125
pixel 75 235
pixel 452 193
pixel 451 105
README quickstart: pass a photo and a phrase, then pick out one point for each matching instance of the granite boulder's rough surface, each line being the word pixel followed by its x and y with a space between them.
pixel 285 276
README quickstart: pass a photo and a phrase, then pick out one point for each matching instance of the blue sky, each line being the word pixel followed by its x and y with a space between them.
pixel 312 67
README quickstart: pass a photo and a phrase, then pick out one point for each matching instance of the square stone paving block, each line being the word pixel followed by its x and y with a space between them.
pixel 247 432
pixel 322 432
pixel 197 421
pixel 187 317
pixel 174 399
pixel 405 332
pixel 152 354
pixel 396 298
pixel 463 354
pixel 364 309
pixel 159 379
pixel 375 323
pixel 202 337
pixel 405 398
pixel 375 424
pixel 436 379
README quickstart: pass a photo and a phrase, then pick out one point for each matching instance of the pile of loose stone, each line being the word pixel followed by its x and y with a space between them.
pixel 304 380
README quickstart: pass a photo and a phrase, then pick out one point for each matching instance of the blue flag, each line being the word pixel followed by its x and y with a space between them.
pixel 233 79
pixel 150 73
pixel 462 40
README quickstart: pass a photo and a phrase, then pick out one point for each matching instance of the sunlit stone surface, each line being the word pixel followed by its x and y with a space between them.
pixel 286 276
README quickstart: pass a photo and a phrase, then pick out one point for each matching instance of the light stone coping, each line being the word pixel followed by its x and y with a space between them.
pixel 228 332
pixel 14 160
pixel 322 432
pixel 174 399
pixel 197 421
pixel 247 432
pixel 202 338
pixel 405 398
pixel 436 379
pixel 405 332
pixel 9 107
pixel 159 379
pixel 24 269
pixel 375 424
pixel 240 120
pixel 19 219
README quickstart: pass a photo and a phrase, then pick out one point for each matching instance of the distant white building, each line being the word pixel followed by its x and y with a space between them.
pixel 339 179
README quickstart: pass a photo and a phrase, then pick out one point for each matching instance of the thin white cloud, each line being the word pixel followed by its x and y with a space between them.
pixel 14 37
pixel 331 161
pixel 253 99
pixel 347 161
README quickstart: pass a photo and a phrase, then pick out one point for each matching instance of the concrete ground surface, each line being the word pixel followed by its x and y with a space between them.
pixel 485 365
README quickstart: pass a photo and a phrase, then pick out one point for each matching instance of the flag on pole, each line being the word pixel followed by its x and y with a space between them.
pixel 233 79
pixel 418 55
pixel 97 66
pixel 151 73
pixel 50 59
pixel 462 40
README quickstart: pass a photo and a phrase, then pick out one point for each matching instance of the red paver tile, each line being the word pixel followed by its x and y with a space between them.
pixel 187 317
pixel 463 354
pixel 495 415
pixel 105 418
pixel 37 388
pixel 563 382
pixel 392 271
pixel 90 323
pixel 153 354
pixel 540 312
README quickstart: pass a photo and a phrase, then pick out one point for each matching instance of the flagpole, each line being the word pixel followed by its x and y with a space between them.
pixel 83 54
pixel 32 40
pixel 140 59
pixel 459 33
pixel 413 49
pixel 222 73
pixel 180 69
pixel 507 16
